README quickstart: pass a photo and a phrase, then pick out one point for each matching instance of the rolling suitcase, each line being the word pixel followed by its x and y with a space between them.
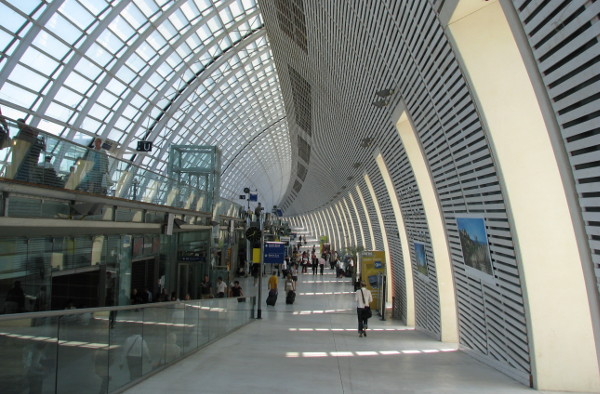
pixel 291 297
pixel 272 298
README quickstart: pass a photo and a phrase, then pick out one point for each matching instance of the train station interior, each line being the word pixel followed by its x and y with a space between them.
pixel 444 152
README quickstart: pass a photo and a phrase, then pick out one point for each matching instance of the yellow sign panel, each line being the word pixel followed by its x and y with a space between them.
pixel 372 263
pixel 256 255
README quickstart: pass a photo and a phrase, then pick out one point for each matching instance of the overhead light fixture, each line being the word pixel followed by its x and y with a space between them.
pixel 179 222
pixel 380 103
pixel 385 93
pixel 172 223
pixel 356 165
pixel 366 142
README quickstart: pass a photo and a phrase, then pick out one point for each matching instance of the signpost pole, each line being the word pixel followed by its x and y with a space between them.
pixel 262 253
pixel 383 295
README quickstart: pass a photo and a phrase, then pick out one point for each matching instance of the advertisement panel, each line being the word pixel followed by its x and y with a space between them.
pixel 372 264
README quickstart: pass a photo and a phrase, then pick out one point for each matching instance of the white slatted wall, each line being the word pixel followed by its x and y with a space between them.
pixel 564 37
pixel 491 313
pixel 372 216
pixel 356 48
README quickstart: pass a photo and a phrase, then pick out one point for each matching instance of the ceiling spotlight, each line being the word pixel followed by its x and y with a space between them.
pixel 356 165
pixel 380 103
pixel 178 222
pixel 385 93
pixel 366 142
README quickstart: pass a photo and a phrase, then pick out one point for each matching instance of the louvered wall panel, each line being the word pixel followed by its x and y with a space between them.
pixel 356 226
pixel 455 146
pixel 332 226
pixel 338 222
pixel 356 48
pixel 397 165
pixel 348 235
pixel 372 216
pixel 363 220
pixel 426 291
pixel 564 40
pixel 391 228
pixel 307 223
pixel 311 226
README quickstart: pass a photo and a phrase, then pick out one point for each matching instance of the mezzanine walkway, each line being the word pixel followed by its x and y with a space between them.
pixel 313 346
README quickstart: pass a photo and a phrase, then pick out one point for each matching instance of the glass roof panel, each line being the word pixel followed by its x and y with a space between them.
pixel 185 72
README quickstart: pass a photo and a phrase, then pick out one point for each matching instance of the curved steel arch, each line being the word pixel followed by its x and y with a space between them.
pixel 191 88
pixel 109 76
pixel 181 100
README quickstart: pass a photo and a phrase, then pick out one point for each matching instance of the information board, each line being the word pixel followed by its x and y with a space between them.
pixel 274 252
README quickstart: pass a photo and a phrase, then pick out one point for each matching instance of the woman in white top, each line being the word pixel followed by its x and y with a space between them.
pixel 363 299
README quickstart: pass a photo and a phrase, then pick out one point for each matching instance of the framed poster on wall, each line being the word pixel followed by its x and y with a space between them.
pixel 474 243
pixel 421 258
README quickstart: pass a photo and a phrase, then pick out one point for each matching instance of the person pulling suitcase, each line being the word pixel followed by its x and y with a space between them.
pixel 290 289
pixel 272 286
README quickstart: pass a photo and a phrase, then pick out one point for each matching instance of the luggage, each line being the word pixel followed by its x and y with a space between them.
pixel 291 297
pixel 272 298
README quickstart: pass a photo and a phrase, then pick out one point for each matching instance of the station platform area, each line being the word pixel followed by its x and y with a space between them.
pixel 314 346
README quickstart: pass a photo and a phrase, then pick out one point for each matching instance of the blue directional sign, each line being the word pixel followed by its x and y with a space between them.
pixel 274 252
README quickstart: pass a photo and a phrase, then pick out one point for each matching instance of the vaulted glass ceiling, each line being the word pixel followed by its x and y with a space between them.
pixel 173 72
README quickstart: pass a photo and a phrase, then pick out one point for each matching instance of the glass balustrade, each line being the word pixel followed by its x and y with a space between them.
pixel 36 157
pixel 103 350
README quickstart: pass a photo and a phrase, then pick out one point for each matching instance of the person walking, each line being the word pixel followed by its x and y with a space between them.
pixel 205 288
pixel 294 272
pixel 221 288
pixel 321 265
pixel 273 281
pixel 304 262
pixel 285 266
pixel 272 286
pixel 350 267
pixel 289 283
pixel 363 300
pixel 290 290
pixel 136 354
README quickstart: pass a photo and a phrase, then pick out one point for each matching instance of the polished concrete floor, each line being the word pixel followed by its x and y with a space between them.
pixel 313 346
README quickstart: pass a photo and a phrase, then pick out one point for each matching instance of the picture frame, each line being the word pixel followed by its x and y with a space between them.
pixel 421 258
pixel 475 244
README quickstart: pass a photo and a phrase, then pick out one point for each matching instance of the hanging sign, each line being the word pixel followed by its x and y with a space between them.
pixel 274 252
